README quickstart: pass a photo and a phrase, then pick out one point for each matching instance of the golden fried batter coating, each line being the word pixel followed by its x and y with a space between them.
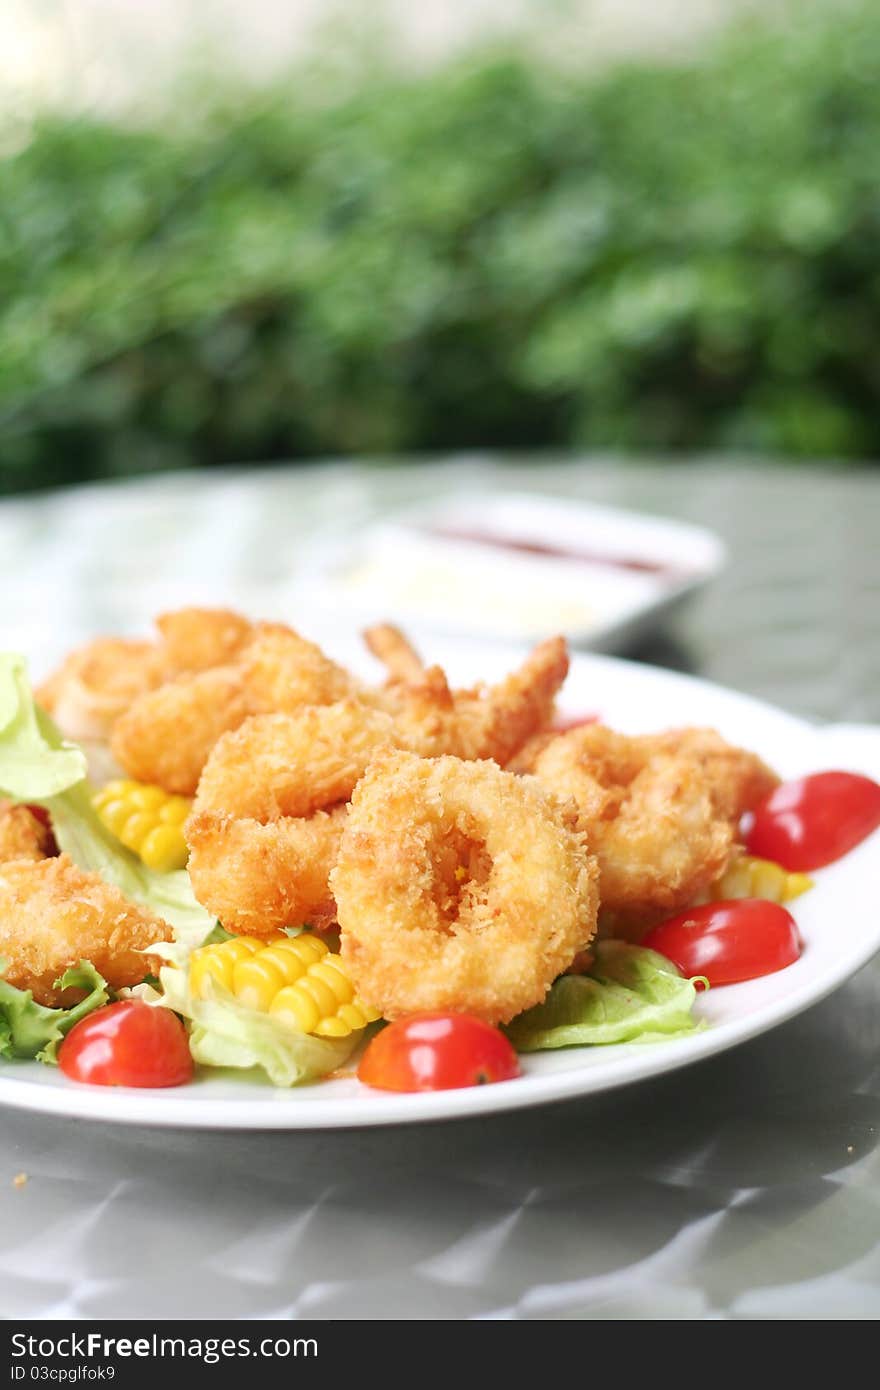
pixel 52 915
pixel 495 724
pixel 195 639
pixel 459 887
pixel 293 764
pixel 491 722
pixel 22 834
pixel 738 779
pixel 98 682
pixel 649 817
pixel 395 651
pixel 166 736
pixel 259 878
pixel 283 671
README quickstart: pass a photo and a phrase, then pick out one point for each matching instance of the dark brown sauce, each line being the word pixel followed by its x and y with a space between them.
pixel 634 564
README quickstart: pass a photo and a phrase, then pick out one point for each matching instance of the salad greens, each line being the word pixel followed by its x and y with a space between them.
pixel 629 995
pixel 28 1029
pixel 32 767
pixel 40 767
pixel 224 1033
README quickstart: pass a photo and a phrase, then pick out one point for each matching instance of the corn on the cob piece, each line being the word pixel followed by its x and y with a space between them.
pixel 747 877
pixel 147 820
pixel 295 979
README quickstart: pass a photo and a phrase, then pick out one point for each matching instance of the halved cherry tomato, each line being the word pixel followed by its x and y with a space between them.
pixel 729 941
pixel 811 822
pixel 127 1044
pixel 437 1052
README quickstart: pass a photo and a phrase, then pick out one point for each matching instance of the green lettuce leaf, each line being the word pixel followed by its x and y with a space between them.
pixel 630 995
pixel 31 769
pixel 223 1033
pixel 28 1029
pixel 38 766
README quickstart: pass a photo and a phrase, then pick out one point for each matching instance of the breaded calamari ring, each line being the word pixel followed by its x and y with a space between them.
pixel 195 639
pixel 293 764
pixel 459 887
pixel 53 915
pixel 166 735
pixel 22 834
pixel 98 682
pixel 259 878
pixel 649 817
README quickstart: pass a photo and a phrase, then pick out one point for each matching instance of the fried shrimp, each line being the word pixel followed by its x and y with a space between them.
pixel 496 724
pixel 395 651
pixel 459 887
pixel 284 671
pixel 738 779
pixel 491 722
pixel 649 817
pixel 269 810
pixel 22 834
pixel 166 735
pixel 52 915
pixel 195 639
pixel 293 764
pixel 98 682
pixel 258 877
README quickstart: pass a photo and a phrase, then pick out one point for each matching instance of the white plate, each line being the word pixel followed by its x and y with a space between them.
pixel 839 936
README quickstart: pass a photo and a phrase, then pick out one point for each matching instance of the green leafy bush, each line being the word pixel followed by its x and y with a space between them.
pixel 493 254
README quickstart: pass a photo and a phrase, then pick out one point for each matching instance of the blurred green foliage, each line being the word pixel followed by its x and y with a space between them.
pixel 675 257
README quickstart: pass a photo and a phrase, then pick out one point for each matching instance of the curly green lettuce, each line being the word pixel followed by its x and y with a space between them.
pixel 31 1030
pixel 629 995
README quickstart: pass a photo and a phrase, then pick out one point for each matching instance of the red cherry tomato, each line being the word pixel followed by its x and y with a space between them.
pixel 127 1044
pixel 730 941
pixel 809 823
pixel 437 1052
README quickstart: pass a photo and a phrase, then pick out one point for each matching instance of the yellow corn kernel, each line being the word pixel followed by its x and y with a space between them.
pixel 135 830
pixel 747 877
pixel 295 1009
pixel 295 979
pixel 257 981
pixel 175 810
pixel 217 963
pixel 351 1016
pixel 117 790
pixel 148 821
pixel 146 798
pixel 114 814
pixel 161 849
